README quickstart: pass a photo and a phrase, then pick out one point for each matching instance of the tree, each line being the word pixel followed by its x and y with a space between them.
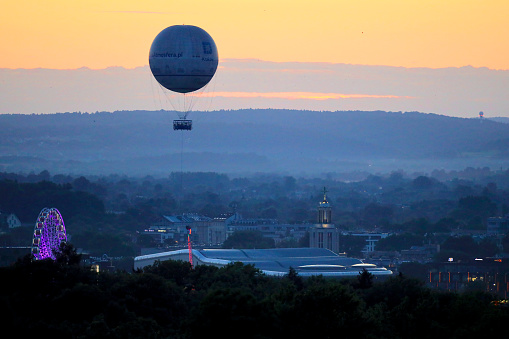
pixel 418 226
pixel 364 279
pixel 487 248
pixel 465 244
pixel 81 184
pixel 414 270
pixel 505 243
pixel 294 277
pixel 231 312
pixel 67 254
pixel 290 183
pixel 466 248
pixel 325 309
pixel 375 214
pixel 351 244
pixel 248 239
pixel 446 224
pixel 422 182
pixel 177 271
pixel 398 242
pixel 471 207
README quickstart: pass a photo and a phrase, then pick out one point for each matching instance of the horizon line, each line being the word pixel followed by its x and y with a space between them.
pixel 251 60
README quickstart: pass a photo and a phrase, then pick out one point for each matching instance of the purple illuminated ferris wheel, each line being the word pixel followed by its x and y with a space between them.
pixel 49 232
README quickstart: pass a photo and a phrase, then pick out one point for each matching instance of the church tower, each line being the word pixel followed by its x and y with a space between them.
pixel 324 234
pixel 324 210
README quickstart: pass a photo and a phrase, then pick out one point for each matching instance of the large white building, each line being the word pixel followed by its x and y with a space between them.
pixel 273 262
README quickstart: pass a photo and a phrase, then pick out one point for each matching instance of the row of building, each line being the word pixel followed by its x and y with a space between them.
pixel 212 232
pixel 173 230
pixel 320 258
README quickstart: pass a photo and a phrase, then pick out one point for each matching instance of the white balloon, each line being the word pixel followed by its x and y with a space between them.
pixel 183 58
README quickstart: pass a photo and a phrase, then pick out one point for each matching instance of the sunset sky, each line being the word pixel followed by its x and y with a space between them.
pixel 447 57
pixel 409 33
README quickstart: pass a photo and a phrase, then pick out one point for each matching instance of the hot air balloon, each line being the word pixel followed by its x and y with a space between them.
pixel 183 59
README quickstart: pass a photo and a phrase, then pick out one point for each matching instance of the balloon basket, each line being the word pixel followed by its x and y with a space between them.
pixel 182 125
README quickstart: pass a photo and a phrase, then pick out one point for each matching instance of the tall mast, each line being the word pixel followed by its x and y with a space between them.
pixel 189 245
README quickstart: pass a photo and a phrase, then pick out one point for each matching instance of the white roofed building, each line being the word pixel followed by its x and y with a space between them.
pixel 274 262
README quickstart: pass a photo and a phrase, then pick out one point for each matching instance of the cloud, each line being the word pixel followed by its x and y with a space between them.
pixel 462 92
pixel 234 69
pixel 137 12
pixel 298 95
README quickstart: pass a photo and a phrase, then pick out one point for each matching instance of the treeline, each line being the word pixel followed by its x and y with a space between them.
pixel 393 201
pixel 63 299
pixel 370 200
pixel 347 134
pixel 105 213
pixel 26 200
pixel 85 218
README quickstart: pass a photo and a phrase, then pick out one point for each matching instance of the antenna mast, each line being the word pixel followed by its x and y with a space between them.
pixel 188 228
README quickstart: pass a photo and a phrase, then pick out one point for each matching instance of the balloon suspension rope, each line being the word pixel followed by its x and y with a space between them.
pixel 181 170
pixel 183 116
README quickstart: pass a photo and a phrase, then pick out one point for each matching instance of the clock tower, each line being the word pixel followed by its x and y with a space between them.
pixel 324 234
pixel 324 210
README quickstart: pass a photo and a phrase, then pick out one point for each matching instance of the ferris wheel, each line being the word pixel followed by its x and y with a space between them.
pixel 49 232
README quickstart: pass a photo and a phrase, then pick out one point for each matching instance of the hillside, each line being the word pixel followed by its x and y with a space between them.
pixel 247 141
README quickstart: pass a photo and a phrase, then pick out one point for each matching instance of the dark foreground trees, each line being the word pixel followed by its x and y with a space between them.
pixel 171 300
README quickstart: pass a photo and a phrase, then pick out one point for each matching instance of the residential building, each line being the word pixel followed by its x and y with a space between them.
pixel 13 221
pixel 269 228
pixel 498 225
pixel 172 229
pixel 9 220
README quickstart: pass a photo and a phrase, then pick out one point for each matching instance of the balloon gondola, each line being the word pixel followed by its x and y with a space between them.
pixel 184 125
pixel 183 59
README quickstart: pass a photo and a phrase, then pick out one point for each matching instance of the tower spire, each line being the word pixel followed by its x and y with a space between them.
pixel 324 210
pixel 324 234
pixel 325 194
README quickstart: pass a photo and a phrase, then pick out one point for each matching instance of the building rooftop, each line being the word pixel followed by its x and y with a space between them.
pixel 276 262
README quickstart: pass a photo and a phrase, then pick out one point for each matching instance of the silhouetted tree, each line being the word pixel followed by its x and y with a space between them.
pixel 364 279
pixel 248 239
pixel 67 254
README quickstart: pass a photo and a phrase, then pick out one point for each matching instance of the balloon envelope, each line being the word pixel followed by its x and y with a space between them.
pixel 183 58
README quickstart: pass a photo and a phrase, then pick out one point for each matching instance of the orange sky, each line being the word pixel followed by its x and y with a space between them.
pixel 410 33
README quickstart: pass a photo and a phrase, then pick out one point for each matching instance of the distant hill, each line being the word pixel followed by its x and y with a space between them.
pixel 248 141
pixel 500 119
